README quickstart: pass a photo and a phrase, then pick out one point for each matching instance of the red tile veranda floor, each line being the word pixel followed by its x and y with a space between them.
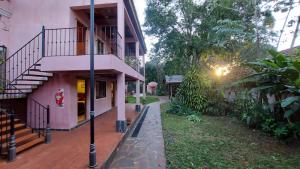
pixel 70 149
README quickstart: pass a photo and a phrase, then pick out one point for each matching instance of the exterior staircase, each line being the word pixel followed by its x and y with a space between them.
pixel 23 75
pixel 24 137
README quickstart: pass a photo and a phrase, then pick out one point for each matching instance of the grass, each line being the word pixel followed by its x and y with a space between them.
pixel 148 100
pixel 221 143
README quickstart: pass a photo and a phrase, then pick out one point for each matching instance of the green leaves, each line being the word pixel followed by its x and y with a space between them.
pixel 279 75
pixel 288 101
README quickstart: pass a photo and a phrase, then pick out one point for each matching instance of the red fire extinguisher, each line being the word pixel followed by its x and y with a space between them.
pixel 59 98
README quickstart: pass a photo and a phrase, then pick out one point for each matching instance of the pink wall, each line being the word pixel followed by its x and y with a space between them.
pixel 66 117
pixel 30 15
pixel 102 105
pixel 4 24
pixel 60 118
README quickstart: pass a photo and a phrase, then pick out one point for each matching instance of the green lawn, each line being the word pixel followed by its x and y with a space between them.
pixel 148 100
pixel 221 143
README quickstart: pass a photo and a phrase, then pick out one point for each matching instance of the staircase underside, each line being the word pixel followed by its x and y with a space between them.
pixel 26 83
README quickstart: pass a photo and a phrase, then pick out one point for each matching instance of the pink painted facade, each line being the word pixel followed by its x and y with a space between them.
pixel 119 48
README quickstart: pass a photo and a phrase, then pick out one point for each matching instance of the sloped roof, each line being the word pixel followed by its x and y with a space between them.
pixel 174 79
pixel 136 23
pixel 287 51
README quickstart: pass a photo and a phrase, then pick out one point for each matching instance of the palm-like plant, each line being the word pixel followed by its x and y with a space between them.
pixel 278 75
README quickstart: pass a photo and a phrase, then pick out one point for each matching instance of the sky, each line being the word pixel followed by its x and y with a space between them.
pixel 285 42
pixel 140 6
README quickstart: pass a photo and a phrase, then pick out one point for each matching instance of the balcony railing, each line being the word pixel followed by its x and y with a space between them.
pixel 75 41
pixel 132 61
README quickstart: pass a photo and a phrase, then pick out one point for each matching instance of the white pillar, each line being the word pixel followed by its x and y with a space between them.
pixel 138 94
pixel 144 84
pixel 121 118
pixel 137 84
pixel 121 28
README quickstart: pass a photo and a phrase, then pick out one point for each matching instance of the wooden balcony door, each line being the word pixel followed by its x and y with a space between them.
pixel 81 39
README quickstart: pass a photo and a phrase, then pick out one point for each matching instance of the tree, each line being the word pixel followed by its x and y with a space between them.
pixel 188 29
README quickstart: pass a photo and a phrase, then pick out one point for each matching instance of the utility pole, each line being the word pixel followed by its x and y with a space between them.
pixel 256 27
pixel 296 33
pixel 281 31
pixel 92 153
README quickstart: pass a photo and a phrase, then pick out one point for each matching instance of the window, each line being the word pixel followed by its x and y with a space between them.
pixel 100 47
pixel 100 89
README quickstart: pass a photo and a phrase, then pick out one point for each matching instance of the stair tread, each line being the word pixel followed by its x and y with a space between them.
pixel 18 133
pixel 37 75
pixel 24 139
pixel 23 84
pixel 30 144
pixel 5 122
pixel 20 125
pixel 32 80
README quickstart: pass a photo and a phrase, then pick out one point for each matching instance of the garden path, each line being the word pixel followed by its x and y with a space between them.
pixel 147 150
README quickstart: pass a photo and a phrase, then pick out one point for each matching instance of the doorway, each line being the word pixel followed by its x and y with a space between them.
pixel 81 39
pixel 81 100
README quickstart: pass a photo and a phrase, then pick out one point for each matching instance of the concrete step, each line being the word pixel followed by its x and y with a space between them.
pixel 40 73
pixel 27 82
pixel 12 96
pixel 29 77
pixel 17 91
pixel 25 87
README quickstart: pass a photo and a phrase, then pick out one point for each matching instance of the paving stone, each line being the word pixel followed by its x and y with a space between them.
pixel 146 151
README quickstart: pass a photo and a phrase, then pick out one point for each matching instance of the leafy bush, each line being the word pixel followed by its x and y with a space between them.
pixel 279 76
pixel 281 132
pixel 179 109
pixel 269 125
pixel 215 103
pixel 190 97
pixel 161 89
pixel 196 96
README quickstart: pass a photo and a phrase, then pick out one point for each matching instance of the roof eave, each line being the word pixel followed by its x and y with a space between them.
pixel 132 13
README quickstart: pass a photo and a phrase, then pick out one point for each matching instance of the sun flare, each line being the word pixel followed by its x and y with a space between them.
pixel 222 70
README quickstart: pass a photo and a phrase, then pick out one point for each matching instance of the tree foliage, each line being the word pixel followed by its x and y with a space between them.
pixel 187 29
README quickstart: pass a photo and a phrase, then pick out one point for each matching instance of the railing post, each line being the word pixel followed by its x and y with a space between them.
pixel 48 132
pixel 43 41
pixel 12 139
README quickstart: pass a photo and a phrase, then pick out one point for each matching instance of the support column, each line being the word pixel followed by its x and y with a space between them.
pixel 137 84
pixel 138 96
pixel 144 84
pixel 121 118
pixel 121 28
pixel 12 139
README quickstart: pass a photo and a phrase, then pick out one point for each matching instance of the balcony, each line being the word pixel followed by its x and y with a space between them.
pixel 75 41
pixel 68 49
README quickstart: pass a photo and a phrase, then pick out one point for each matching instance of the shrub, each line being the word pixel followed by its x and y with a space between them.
pixel 190 97
pixel 179 109
pixel 161 89
pixel 215 103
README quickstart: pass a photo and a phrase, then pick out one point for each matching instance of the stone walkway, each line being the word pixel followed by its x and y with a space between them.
pixel 147 150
